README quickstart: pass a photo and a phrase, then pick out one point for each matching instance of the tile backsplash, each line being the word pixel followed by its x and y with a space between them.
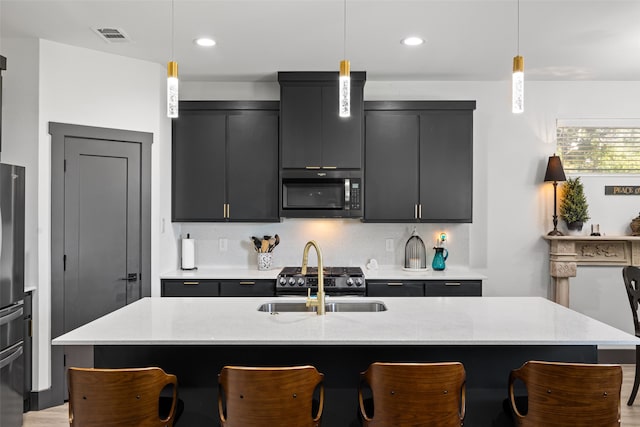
pixel 344 242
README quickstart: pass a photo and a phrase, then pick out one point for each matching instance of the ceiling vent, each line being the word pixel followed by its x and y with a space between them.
pixel 112 35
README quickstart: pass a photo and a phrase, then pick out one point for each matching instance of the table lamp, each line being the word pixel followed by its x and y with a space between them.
pixel 554 173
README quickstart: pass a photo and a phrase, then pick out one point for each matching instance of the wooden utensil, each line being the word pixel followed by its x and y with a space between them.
pixel 265 246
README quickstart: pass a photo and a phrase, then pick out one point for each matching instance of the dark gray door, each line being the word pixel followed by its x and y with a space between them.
pixel 102 238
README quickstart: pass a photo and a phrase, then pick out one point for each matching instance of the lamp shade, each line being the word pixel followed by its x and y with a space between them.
pixel 555 172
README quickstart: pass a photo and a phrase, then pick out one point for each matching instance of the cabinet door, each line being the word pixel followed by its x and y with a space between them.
pixel 453 288
pixel 446 166
pixel 189 288
pixel 198 172
pixel 391 167
pixel 248 288
pixel 301 126
pixel 341 136
pixel 252 172
pixel 395 289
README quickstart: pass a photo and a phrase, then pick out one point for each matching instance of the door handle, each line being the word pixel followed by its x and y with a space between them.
pixel 131 277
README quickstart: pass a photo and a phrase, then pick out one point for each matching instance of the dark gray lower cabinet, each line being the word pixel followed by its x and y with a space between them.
pixel 28 349
pixel 395 288
pixel 218 288
pixel 190 288
pixel 453 288
pixel 429 288
pixel 247 288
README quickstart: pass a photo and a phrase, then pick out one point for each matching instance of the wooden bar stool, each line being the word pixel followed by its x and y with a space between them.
pixel 631 276
pixel 258 397
pixel 119 397
pixel 568 394
pixel 414 394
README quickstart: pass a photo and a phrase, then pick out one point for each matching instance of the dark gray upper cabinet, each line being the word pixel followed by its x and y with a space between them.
pixel 312 135
pixel 225 161
pixel 418 161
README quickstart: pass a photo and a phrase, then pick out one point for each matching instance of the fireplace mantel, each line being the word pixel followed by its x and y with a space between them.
pixel 566 253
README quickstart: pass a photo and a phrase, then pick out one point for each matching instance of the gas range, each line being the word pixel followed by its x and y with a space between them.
pixel 337 281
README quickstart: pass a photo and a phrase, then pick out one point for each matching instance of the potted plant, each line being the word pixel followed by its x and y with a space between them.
pixel 574 209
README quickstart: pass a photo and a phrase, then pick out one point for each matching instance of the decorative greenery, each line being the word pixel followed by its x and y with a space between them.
pixel 574 207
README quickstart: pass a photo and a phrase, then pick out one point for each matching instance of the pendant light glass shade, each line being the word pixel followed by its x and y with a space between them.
pixel 517 85
pixel 172 89
pixel 344 88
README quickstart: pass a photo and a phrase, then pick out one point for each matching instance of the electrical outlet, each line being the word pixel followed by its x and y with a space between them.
pixel 222 245
pixel 389 245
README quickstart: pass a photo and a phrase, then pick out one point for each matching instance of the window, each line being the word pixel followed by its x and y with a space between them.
pixel 611 149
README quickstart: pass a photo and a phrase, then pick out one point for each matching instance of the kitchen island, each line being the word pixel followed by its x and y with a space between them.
pixel 194 337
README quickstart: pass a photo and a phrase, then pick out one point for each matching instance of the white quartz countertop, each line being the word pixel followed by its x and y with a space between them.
pixel 222 273
pixel 408 321
pixel 382 273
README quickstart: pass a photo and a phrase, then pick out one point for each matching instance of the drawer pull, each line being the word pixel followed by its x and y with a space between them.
pixel 190 283
pixel 395 284
pixel 247 283
pixel 452 283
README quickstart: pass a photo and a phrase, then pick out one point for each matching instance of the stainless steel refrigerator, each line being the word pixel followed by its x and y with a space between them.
pixel 11 294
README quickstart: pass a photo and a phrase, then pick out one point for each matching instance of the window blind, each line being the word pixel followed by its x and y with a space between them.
pixel 605 150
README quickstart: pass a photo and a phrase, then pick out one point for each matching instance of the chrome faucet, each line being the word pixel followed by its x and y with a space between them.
pixel 319 300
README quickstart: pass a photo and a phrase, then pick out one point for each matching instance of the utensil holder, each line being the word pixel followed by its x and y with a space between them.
pixel 265 260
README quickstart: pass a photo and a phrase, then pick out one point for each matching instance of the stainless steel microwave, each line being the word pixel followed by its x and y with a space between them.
pixel 321 193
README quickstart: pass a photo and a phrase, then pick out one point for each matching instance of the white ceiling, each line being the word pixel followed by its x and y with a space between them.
pixel 466 40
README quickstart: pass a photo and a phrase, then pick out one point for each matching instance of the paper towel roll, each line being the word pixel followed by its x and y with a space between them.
pixel 188 254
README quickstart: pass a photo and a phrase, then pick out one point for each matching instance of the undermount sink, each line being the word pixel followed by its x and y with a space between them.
pixel 331 306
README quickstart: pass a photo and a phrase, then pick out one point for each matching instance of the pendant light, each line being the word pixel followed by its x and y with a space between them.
pixel 344 83
pixel 172 79
pixel 517 83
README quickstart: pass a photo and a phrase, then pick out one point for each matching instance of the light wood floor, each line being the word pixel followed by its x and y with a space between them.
pixel 57 416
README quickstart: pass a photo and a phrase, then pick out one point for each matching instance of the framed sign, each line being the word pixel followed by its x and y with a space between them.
pixel 622 190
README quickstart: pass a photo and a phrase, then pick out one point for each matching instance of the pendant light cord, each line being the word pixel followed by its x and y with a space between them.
pixel 344 38
pixel 172 29
pixel 518 38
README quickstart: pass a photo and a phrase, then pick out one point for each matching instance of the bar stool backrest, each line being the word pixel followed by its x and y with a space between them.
pixel 568 394
pixel 119 397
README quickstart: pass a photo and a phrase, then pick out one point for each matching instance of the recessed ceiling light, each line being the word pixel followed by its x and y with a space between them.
pixel 412 41
pixel 205 42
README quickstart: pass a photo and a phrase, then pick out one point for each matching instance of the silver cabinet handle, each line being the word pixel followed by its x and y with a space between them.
pixel 394 283
pixel 452 283
pixel 190 283
pixel 420 211
pixel 247 283
pixel 415 211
